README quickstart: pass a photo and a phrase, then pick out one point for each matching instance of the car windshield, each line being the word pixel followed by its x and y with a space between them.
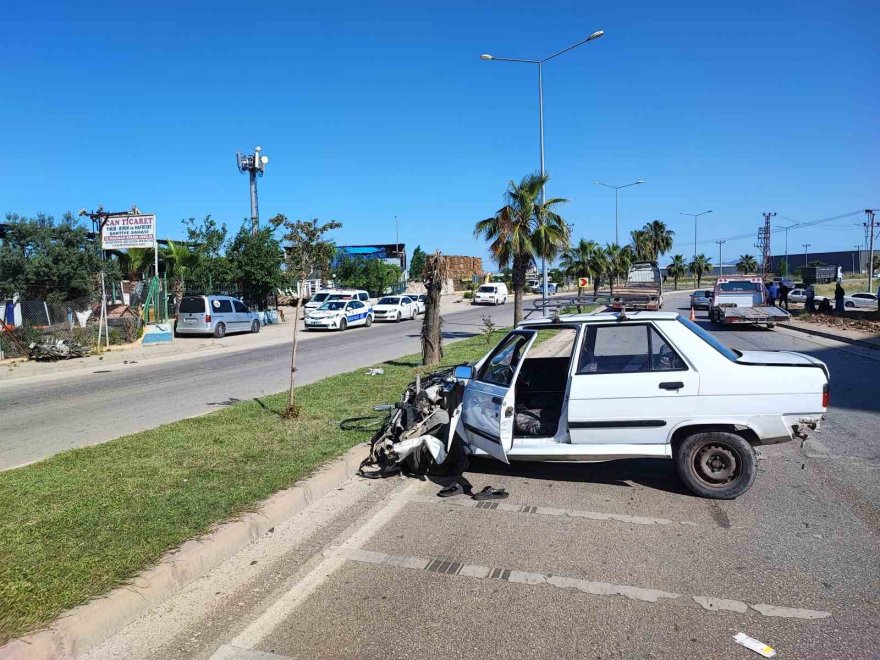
pixel 487 289
pixel 709 338
pixel 389 301
pixel 320 297
pixel 700 294
pixel 339 296
pixel 334 305
pixel 742 287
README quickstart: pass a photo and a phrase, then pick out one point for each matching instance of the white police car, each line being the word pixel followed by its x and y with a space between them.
pixel 339 315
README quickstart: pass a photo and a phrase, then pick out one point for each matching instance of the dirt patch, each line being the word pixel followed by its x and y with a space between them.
pixel 866 322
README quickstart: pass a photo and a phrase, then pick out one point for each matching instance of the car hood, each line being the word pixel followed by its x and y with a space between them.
pixel 782 358
pixel 385 308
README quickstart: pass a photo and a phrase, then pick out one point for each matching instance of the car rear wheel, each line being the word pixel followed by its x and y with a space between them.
pixel 220 331
pixel 255 326
pixel 343 324
pixel 716 464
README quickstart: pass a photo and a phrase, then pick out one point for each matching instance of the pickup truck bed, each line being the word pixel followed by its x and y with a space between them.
pixel 760 314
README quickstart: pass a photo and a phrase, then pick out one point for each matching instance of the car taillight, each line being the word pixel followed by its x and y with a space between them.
pixel 207 318
pixel 826 396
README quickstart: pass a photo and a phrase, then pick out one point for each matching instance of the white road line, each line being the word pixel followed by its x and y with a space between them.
pixel 332 561
pixel 449 567
pixel 548 511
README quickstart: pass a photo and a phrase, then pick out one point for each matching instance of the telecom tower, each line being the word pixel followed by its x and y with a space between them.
pixel 763 245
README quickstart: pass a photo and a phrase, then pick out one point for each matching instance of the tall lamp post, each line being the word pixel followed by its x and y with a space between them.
pixel 720 260
pixel 616 205
pixel 806 252
pixel 254 165
pixel 540 63
pixel 786 228
pixel 695 216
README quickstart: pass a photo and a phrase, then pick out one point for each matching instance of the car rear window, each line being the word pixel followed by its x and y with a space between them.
pixel 743 287
pixel 192 305
pixel 320 297
pixel 709 338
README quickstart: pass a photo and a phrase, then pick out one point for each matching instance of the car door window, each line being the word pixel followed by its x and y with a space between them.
pixel 222 306
pixel 240 307
pixel 626 349
pixel 500 368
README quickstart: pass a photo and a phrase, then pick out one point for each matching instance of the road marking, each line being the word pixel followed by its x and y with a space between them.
pixel 450 567
pixel 230 652
pixel 332 561
pixel 548 511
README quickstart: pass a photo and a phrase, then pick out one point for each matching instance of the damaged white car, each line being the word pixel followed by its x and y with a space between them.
pixel 609 386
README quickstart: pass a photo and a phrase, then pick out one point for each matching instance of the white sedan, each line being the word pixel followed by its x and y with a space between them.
pixel 862 300
pixel 395 308
pixel 339 315
pixel 800 296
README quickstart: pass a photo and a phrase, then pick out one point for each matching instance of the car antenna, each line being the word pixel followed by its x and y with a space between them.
pixel 622 315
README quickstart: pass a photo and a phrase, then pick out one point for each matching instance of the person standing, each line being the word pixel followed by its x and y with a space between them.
pixel 839 293
pixel 773 293
pixel 783 295
pixel 810 305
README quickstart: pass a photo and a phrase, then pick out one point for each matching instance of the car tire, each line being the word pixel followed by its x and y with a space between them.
pixel 849 304
pixel 398 318
pixel 716 464
pixel 343 325
pixel 220 331
pixel 369 321
pixel 413 315
pixel 255 326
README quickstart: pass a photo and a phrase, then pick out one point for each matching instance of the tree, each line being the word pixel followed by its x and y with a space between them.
pixel 136 263
pixel 417 264
pixel 659 238
pixel 307 251
pixel 746 264
pixel 643 249
pixel 373 275
pixel 619 263
pixel 579 261
pixel 180 262
pixel 523 230
pixel 699 266
pixel 209 241
pixel 676 268
pixel 434 275
pixel 255 260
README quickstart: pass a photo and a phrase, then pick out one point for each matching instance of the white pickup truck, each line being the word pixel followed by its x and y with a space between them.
pixel 744 300
pixel 643 384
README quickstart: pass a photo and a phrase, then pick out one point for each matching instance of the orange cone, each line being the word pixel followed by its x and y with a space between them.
pixel 693 316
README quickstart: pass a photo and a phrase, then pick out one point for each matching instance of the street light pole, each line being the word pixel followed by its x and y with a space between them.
pixel 806 252
pixel 540 63
pixel 695 216
pixel 720 259
pixel 786 228
pixel 616 204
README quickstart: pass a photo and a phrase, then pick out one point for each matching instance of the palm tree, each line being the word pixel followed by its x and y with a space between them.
pixel 179 264
pixel 676 268
pixel 619 262
pixel 747 264
pixel 576 260
pixel 641 245
pixel 522 230
pixel 599 266
pixel 700 265
pixel 134 262
pixel 659 238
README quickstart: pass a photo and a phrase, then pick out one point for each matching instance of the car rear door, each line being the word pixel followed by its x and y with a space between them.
pixel 631 386
pixel 242 315
pixel 488 404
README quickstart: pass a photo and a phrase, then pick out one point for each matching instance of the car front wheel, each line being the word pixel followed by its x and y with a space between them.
pixel 850 304
pixel 255 326
pixel 716 464
pixel 368 322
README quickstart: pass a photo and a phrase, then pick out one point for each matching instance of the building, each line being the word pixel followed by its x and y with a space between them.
pixel 391 253
pixel 852 261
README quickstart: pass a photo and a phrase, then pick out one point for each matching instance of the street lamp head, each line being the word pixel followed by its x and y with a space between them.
pixel 486 56
pixel 640 181
pixel 264 159
pixel 258 148
pixel 596 35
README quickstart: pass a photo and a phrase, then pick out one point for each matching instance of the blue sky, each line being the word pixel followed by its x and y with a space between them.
pixel 369 110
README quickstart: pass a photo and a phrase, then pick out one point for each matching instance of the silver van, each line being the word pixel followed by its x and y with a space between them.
pixel 214 315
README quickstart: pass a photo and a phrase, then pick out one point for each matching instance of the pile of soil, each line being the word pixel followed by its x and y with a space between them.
pixel 868 322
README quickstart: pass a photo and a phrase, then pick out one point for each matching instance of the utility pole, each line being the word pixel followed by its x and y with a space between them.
pixel 764 245
pixel 720 260
pixel 806 252
pixel 254 165
pixel 870 226
pixel 858 251
pixel 786 228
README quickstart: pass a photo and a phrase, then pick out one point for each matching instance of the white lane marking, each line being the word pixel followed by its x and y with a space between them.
pixel 450 567
pixel 548 511
pixel 332 561
pixel 230 652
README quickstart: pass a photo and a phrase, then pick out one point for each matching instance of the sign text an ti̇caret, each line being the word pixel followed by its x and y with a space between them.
pixel 129 231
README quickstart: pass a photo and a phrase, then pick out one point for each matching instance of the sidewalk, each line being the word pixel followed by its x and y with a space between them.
pixel 178 349
pixel 857 337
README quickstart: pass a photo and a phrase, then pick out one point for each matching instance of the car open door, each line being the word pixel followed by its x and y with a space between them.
pixel 488 403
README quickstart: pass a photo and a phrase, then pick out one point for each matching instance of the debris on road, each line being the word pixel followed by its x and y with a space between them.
pixel 754 645
pixel 62 349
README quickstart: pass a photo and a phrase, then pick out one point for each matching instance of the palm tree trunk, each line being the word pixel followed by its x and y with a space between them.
pixel 432 338
pixel 580 293
pixel 519 284
pixel 676 282
pixel 292 410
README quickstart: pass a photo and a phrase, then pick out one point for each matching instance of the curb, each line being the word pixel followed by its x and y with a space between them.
pixel 76 631
pixel 827 335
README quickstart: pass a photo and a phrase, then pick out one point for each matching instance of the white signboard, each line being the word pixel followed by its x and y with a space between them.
pixel 129 231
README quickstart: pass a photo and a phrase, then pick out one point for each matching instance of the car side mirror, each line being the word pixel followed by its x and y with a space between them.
pixel 463 372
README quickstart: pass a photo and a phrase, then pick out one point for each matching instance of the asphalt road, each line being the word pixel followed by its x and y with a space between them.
pixel 74 410
pixel 608 560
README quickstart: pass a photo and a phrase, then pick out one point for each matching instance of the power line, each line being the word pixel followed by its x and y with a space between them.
pixel 798 225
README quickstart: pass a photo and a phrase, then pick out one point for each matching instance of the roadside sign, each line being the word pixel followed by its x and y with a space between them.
pixel 583 281
pixel 128 231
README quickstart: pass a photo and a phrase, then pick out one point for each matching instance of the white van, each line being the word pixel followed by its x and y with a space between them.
pixel 337 294
pixel 494 293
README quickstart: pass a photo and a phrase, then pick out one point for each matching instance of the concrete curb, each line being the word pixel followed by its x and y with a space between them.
pixel 827 335
pixel 85 626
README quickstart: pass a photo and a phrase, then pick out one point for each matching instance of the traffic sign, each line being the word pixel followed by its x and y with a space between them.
pixel 583 281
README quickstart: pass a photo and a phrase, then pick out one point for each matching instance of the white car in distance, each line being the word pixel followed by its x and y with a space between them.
pixel 647 384
pixel 862 300
pixel 339 315
pixel 494 293
pixel 395 308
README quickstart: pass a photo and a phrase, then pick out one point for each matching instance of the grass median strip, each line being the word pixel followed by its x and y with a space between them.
pixel 80 523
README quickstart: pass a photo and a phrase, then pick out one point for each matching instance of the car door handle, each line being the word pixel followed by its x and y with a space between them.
pixel 498 400
pixel 676 385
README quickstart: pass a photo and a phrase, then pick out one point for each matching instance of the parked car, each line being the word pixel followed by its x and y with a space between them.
pixel 494 293
pixel 701 299
pixel 420 300
pixel 337 294
pixel 214 315
pixel 863 300
pixel 551 288
pixel 800 296
pixel 339 315
pixel 648 384
pixel 395 308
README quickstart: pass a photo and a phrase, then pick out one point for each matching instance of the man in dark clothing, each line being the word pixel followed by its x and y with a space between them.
pixel 811 299
pixel 839 293
pixel 783 295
